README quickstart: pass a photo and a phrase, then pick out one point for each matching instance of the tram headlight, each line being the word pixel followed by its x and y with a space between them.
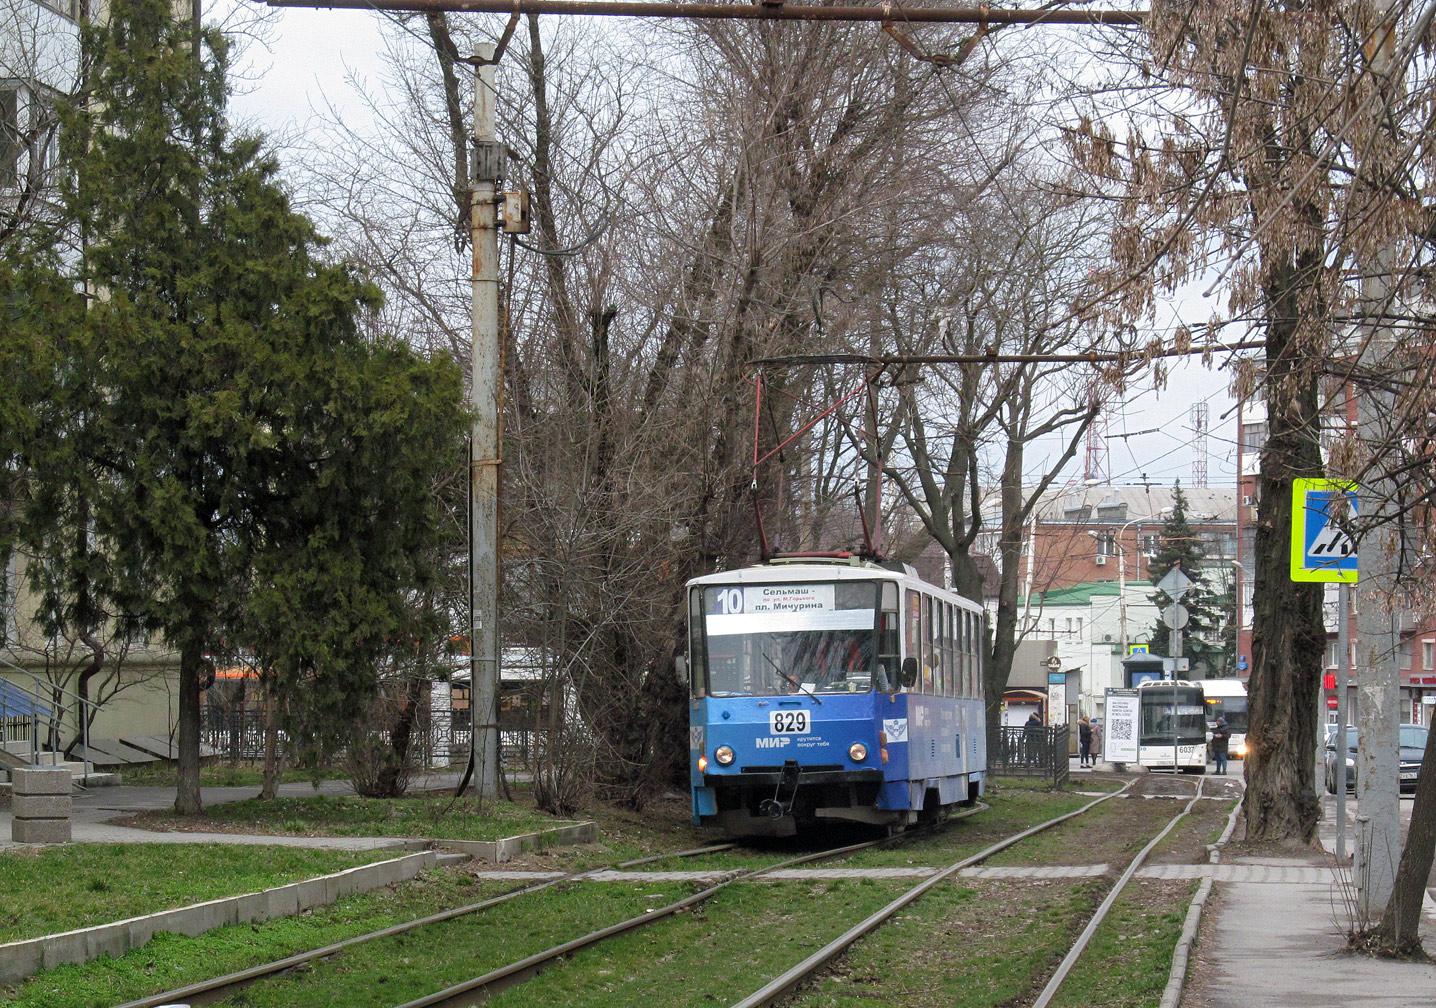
pixel 702 764
pixel 857 752
pixel 723 754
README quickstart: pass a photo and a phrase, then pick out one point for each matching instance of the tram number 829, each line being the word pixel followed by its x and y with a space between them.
pixel 784 722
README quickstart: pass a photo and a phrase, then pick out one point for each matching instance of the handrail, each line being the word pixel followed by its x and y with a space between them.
pixel 39 694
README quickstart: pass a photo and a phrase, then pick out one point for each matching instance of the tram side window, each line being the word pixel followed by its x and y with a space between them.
pixel 945 615
pixel 934 644
pixel 939 649
pixel 889 652
pixel 949 652
pixel 914 625
pixel 969 656
pixel 697 660
pixel 924 644
pixel 962 660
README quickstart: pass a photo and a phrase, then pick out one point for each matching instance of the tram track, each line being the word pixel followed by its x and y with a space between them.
pixel 784 985
pixel 480 989
pixel 218 989
pixel 210 991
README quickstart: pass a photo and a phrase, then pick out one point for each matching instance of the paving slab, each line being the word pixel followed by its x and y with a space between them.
pixel 1281 946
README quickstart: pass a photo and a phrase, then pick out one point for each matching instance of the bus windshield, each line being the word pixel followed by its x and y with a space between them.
pixel 780 639
pixel 1162 722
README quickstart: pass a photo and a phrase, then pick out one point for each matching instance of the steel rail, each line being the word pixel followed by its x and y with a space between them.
pixel 785 983
pixel 217 988
pixel 479 989
pixel 1070 960
pixel 746 12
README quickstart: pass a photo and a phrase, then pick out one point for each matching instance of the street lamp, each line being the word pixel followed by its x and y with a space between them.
pixel 1122 569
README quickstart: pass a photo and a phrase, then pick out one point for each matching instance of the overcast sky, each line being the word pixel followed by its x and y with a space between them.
pixel 305 72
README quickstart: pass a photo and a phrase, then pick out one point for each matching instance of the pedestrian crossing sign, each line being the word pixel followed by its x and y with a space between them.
pixel 1321 548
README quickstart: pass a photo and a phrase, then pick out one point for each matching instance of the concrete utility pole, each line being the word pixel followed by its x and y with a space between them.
pixel 1343 668
pixel 485 452
pixel 1378 618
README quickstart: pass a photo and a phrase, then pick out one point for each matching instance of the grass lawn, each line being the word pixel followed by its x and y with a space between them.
pixel 171 960
pixel 59 888
pixel 427 815
pixel 220 775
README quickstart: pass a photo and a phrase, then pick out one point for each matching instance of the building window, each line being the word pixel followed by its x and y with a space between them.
pixel 1428 654
pixel 1107 544
pixel 1219 544
pixel 1253 437
pixel 65 8
pixel 7 596
pixel 29 135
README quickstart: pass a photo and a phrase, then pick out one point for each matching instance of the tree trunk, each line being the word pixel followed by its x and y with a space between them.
pixel 1289 639
pixel 192 664
pixel 393 776
pixel 1397 934
pixel 270 785
pixel 84 717
pixel 1009 558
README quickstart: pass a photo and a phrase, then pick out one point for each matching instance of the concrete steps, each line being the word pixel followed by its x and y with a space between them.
pixel 77 774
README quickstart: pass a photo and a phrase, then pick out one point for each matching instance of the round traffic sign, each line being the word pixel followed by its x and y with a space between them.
pixel 1176 616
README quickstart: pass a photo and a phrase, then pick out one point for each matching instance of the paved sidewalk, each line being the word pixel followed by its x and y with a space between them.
pixel 1278 941
pixel 92 811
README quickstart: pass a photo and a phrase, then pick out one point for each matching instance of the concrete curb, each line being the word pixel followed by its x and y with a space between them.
pixel 1182 954
pixel 508 848
pixel 20 959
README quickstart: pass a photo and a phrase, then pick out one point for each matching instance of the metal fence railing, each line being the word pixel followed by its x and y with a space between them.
pixel 44 710
pixel 1039 751
pixel 439 739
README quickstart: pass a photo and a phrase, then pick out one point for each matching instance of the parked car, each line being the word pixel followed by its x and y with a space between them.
pixel 1413 749
pixel 1331 734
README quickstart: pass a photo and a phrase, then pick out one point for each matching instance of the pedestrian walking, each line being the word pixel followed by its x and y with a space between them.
pixel 1221 736
pixel 1096 740
pixel 1084 740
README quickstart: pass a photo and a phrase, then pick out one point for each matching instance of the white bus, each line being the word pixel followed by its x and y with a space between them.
pixel 1172 731
pixel 1228 698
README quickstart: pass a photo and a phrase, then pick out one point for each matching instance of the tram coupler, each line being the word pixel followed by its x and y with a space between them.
pixel 782 801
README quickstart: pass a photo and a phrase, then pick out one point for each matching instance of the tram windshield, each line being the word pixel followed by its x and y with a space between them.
pixel 780 639
pixel 1173 713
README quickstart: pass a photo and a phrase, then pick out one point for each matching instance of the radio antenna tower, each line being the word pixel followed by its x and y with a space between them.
pixel 1199 445
pixel 1095 468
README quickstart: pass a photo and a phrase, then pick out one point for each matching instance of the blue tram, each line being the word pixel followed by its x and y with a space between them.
pixel 831 688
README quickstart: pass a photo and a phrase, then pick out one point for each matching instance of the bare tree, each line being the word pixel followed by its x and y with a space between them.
pixel 1285 168
pixel 960 436
pixel 703 196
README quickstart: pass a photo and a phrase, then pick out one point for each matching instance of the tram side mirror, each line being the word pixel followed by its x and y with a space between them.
pixel 909 672
pixel 680 667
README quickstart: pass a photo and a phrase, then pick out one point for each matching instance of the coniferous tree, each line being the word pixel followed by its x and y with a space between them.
pixel 255 469
pixel 1181 548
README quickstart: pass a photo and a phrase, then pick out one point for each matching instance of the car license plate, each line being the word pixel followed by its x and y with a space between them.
pixel 1409 775
pixel 785 722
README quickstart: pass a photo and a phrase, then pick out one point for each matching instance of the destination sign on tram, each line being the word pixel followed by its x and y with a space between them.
pixel 740 609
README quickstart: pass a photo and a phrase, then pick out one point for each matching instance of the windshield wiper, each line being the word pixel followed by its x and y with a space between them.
pixel 796 684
